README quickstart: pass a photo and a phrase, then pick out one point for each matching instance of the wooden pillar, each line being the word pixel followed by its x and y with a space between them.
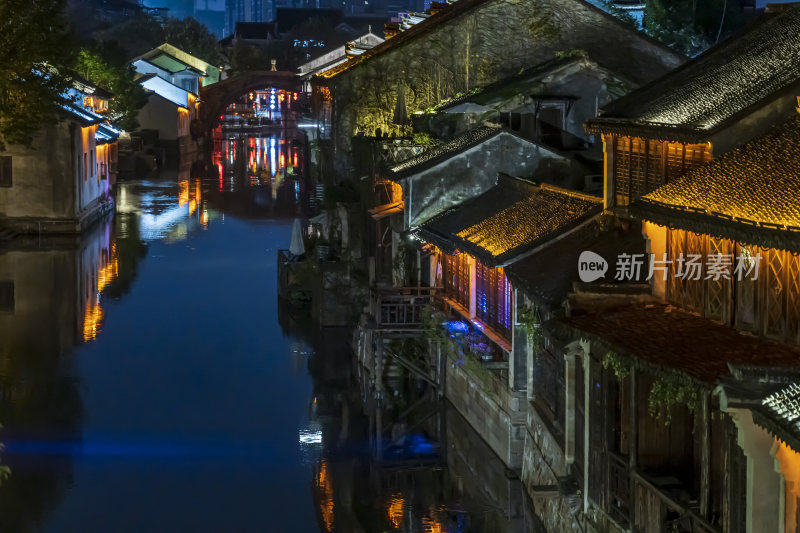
pixel 441 378
pixel 378 376
pixel 569 407
pixel 633 441
pixel 704 428
pixel 473 286
pixel 608 172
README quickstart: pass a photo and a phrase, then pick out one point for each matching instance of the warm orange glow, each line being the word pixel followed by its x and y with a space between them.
pixel 431 525
pixel 92 321
pixel 183 192
pixel 326 495
pixel 395 510
pixel 108 272
pixel 790 468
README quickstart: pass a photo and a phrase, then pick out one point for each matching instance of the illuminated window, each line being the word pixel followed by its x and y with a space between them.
pixel 493 299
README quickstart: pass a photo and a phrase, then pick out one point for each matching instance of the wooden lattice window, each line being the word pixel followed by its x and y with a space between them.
pixel 718 296
pixel 493 299
pixel 455 274
pixel 793 298
pixel 622 169
pixel 774 293
pixel 676 242
pixel 638 169
pixel 655 164
pixel 674 161
pixel 745 289
pixel 693 288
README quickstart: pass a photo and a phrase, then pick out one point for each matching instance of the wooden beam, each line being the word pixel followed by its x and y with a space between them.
pixel 704 427
pixel 633 441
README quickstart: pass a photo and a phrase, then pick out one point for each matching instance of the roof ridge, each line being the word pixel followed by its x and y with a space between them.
pixel 461 7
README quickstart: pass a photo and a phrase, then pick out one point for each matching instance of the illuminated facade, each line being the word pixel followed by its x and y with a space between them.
pixel 79 169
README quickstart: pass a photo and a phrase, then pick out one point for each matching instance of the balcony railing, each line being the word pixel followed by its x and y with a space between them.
pixel 403 307
pixel 657 512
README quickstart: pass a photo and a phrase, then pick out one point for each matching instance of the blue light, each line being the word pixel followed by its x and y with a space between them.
pixel 456 326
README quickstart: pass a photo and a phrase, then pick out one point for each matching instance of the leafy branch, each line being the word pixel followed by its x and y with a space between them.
pixel 617 364
pixel 668 392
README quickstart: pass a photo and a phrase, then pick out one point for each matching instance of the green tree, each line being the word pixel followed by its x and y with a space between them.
pixel 194 38
pixel 136 35
pixel 35 47
pixel 106 66
pixel 244 57
pixel 691 26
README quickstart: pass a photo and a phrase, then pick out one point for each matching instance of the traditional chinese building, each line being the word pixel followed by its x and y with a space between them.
pixel 458 47
pixel 676 403
pixel 62 182
pixel 172 79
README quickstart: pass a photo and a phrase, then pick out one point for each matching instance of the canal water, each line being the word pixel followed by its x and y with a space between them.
pixel 151 381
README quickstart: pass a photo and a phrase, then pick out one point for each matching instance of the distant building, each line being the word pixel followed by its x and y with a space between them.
pixel 173 79
pixel 212 14
pixel 247 11
pixel 252 33
pixel 335 57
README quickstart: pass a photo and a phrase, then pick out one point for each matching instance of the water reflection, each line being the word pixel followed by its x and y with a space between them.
pixel 409 464
pixel 150 382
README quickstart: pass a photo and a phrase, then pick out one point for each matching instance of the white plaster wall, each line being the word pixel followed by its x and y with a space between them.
pixel 162 115
pixel 475 171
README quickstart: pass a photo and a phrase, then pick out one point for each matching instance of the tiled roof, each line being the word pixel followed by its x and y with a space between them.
pixel 548 274
pixel 754 188
pixel 661 338
pixel 509 219
pixel 619 45
pixel 444 151
pixel 703 94
pixel 780 414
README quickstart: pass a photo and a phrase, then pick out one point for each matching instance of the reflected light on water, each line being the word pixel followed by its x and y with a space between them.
pixel 325 495
pixel 395 510
pixel 431 525
pixel 92 321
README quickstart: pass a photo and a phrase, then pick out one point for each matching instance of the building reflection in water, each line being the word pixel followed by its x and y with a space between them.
pixel 434 474
pixel 51 301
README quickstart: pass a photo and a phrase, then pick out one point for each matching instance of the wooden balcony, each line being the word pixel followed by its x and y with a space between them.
pixel 657 512
pixel 402 308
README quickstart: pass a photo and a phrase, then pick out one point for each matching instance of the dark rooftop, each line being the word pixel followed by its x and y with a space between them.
pixel 512 218
pixel 751 194
pixel 703 94
pixel 444 151
pixel 549 273
pixel 617 44
pixel 661 338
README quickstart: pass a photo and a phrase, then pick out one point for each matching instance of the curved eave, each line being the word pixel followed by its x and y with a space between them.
pixel 719 225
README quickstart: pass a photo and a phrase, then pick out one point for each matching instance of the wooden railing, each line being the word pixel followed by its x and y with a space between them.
pixel 403 307
pixel 619 489
pixel 653 506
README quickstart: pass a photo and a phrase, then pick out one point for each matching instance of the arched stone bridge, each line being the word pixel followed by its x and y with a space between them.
pixel 215 98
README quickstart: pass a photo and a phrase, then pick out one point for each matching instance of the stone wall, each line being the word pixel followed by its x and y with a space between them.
pixel 43 176
pixel 543 462
pixel 475 171
pixel 476 46
pixel 489 407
